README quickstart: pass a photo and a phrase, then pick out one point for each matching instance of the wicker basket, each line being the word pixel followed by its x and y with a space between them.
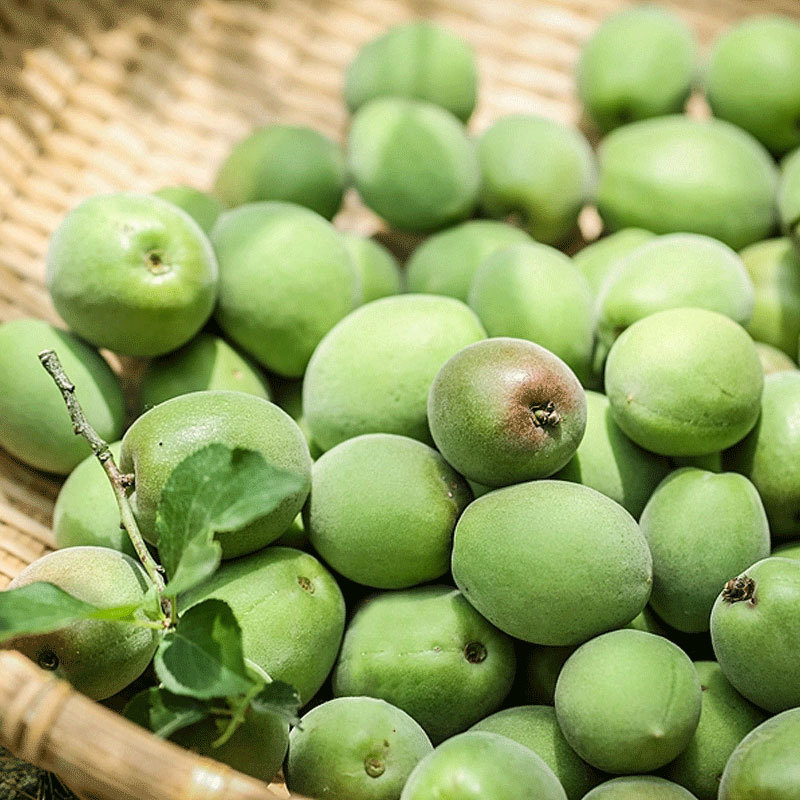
pixel 101 95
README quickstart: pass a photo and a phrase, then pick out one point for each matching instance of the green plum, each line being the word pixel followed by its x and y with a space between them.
pixel 788 550
pixel 599 258
pixel 378 268
pixel 789 195
pixel 639 787
pixel 288 395
pixel 774 360
pixel 203 208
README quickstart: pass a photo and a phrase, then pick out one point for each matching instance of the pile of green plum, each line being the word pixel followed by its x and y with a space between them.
pixel 546 540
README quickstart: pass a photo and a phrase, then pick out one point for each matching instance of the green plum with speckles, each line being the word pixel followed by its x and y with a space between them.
pixel 203 208
pixel 378 268
pixel 789 195
pixel 165 435
pixel 446 262
pixel 684 382
pixel 551 562
pixel 537 170
pixel 628 701
pixel 427 651
pixel 774 360
pixel 639 787
pixel 372 761
pixel 599 258
pixel 681 175
pixel 765 765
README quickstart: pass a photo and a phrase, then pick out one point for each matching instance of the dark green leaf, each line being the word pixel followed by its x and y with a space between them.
pixel 163 712
pixel 199 560
pixel 203 657
pixel 279 698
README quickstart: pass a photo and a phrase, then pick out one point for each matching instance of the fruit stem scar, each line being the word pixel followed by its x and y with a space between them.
pixel 305 584
pixel 739 589
pixel 155 262
pixel 374 767
pixel 475 652
pixel 545 415
pixel 48 660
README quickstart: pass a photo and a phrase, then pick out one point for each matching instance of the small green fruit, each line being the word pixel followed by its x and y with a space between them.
pixel 639 787
pixel 378 268
pixel 538 170
pixel 789 195
pixel 284 162
pixel 98 658
pixel 358 748
pixel 133 273
pixel 599 258
pixel 628 701
pixel 436 187
pixel 201 207
pixel 503 411
pixel 755 630
pixel 427 651
pixel 788 550
pixel 774 360
pixel 551 562
pixel 35 426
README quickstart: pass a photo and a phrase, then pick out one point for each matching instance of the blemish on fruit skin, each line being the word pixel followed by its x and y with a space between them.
pixel 475 652
pixel 374 767
pixel 740 589
pixel 305 584
pixel 48 660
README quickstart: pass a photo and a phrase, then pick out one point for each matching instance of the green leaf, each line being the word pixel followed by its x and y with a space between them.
pixel 163 712
pixel 203 656
pixel 279 698
pixel 199 560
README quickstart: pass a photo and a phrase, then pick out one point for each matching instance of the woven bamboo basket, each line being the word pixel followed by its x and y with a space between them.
pixel 104 95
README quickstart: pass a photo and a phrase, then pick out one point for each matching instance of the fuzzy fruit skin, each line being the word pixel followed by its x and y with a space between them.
pixel 373 371
pixel 608 461
pixel 599 258
pixel 789 195
pixel 419 61
pixel 538 169
pixel 639 63
pixel 765 765
pixel 676 174
pixel 413 163
pixel 639 787
pixel 774 360
pixel 290 609
pixel 479 764
pixel 133 273
pixel 164 436
pixel 207 362
pixel 788 550
pixel 551 562
pixel 507 296
pixel 36 427
pixel 289 163
pixel 726 718
pixel 753 80
pixel 286 279
pixel 411 648
pixel 372 761
pixel 702 528
pixel 98 658
pixel 684 382
pixel 86 510
pixel 482 407
pixel 203 208
pixel 383 509
pixel 536 727
pixel 770 455
pixel 628 701
pixel 446 262
pixel 756 643
pixel 378 268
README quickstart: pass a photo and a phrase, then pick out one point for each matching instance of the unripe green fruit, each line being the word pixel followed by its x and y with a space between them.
pixel 427 651
pixel 288 395
pixel 290 610
pixel 382 510
pixel 372 372
pixel 677 174
pixel 788 550
pixel 201 207
pixel 86 510
pixel 684 382
pixel 598 259
pixel 770 454
pixel 420 61
pixel 378 268
pixel 639 787
pixel 286 279
pixel 755 629
pixel 477 765
pixel 503 411
pixel 774 360
pixel 207 362
pixel 436 187
pixel 789 196
pixel 446 262
pixel 36 427
pixel 507 296
pixel 701 528
pixel 639 63
pixel 608 461
pixel 538 170
pixel 97 657
pixel 536 728
pixel 752 79
pixel 133 273
pixel 725 719
pixel 774 267
pixel 358 748
pixel 551 562
pixel 284 162
pixel 765 766
pixel 628 701
pixel 164 436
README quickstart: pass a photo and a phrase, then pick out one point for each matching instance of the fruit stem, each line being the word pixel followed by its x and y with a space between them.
pixel 120 482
